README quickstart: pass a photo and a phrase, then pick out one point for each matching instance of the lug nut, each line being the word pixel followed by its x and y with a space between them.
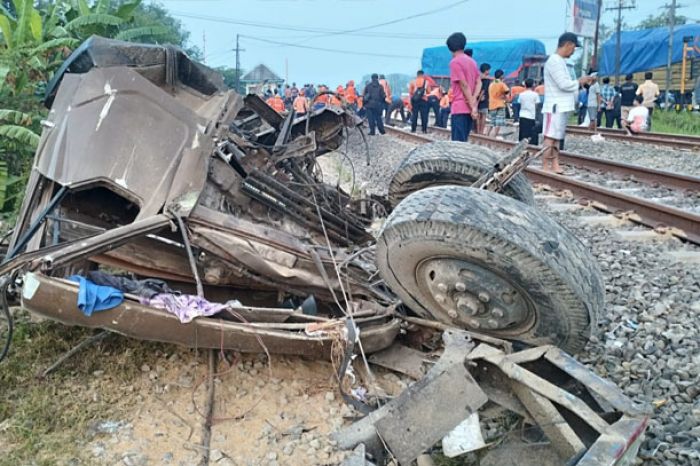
pixel 497 312
pixel 452 313
pixel 507 298
pixel 484 297
pixel 442 287
pixel 468 306
pixel 440 298
pixel 492 323
pixel 474 324
pixel 459 286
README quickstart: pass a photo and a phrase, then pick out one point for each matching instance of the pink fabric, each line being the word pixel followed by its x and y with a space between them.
pixel 462 68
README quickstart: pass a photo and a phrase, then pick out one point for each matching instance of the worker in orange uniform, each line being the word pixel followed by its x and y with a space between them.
pixel 387 92
pixel 540 88
pixel 340 91
pixel 321 99
pixel 301 104
pixel 498 92
pixel 351 95
pixel 418 90
pixel 514 102
pixel 276 103
pixel 434 97
pixel 444 110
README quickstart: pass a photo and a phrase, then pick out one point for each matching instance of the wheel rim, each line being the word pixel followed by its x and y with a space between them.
pixel 470 295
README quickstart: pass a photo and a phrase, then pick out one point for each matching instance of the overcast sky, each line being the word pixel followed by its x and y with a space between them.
pixel 391 48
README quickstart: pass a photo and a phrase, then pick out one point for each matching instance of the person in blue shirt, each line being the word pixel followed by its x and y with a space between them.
pixel 582 103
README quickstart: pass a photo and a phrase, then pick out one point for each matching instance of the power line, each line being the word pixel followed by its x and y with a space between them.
pixel 312 30
pixel 394 21
pixel 321 49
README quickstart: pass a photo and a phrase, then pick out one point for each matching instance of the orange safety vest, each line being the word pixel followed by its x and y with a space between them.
pixel 418 83
pixel 350 95
pixel 387 89
pixel 278 104
pixel 360 103
pixel 445 101
pixel 515 90
pixel 540 89
pixel 323 99
pixel 301 105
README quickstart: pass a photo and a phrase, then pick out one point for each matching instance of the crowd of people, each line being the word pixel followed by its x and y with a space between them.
pixel 476 100
pixel 629 106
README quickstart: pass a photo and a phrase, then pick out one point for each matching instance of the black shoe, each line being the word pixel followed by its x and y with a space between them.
pixel 371 134
pixel 382 132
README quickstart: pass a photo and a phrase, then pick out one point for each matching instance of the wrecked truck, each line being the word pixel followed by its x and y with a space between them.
pixel 148 166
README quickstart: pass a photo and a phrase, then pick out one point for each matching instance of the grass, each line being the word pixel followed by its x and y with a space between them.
pixel 46 421
pixel 676 123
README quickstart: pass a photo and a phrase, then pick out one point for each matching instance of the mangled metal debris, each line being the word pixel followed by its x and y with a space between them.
pixel 585 419
pixel 149 166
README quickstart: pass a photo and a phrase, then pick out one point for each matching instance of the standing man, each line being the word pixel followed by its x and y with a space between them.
pixel 628 91
pixel 607 95
pixel 528 113
pixel 593 101
pixel 444 110
pixel 387 92
pixel 515 91
pixel 483 97
pixel 373 100
pixel 582 103
pixel 434 103
pixel 301 105
pixel 559 99
pixel 465 86
pixel 418 91
pixel 498 91
pixel 650 91
pixel 351 95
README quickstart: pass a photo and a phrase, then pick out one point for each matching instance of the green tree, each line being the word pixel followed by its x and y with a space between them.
pixel 660 20
pixel 173 31
pixel 229 75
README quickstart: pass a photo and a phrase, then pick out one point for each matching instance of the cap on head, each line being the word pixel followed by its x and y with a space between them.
pixel 568 37
pixel 456 41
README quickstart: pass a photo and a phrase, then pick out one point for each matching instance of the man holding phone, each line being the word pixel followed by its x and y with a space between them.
pixel 559 99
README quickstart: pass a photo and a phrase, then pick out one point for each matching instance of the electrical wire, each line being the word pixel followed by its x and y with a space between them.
pixel 322 49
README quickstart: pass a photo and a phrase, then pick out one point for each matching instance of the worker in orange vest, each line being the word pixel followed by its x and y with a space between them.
pixel 301 104
pixel 434 97
pixel 387 92
pixel 444 110
pixel 514 101
pixel 418 89
pixel 321 99
pixel 351 95
pixel 340 91
pixel 276 103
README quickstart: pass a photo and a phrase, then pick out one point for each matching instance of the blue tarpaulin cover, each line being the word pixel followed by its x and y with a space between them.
pixel 646 49
pixel 505 54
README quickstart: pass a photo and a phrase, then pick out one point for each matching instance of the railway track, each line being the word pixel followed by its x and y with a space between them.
pixel 676 141
pixel 681 223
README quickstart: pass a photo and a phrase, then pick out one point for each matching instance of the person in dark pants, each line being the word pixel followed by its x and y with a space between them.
pixel 617 108
pixel 582 103
pixel 465 86
pixel 418 91
pixel 397 105
pixel 434 104
pixel 373 100
pixel 528 113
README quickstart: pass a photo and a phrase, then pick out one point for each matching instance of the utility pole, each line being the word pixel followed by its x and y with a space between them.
pixel 618 46
pixel 204 45
pixel 594 60
pixel 671 24
pixel 238 63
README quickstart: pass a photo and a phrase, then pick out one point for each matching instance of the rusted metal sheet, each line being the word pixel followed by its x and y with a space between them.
pixel 428 410
pixel 56 299
pixel 401 359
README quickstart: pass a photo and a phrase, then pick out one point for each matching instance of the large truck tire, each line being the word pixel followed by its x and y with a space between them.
pixel 485 262
pixel 450 163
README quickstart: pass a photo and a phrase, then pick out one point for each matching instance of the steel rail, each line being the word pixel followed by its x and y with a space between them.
pixel 682 224
pixel 645 174
pixel 676 141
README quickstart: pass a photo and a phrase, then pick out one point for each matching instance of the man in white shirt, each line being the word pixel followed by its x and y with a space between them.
pixel 594 100
pixel 637 118
pixel 528 111
pixel 559 99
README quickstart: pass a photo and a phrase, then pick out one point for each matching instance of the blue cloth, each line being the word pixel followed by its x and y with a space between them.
pixel 92 297
pixel 645 50
pixel 504 54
